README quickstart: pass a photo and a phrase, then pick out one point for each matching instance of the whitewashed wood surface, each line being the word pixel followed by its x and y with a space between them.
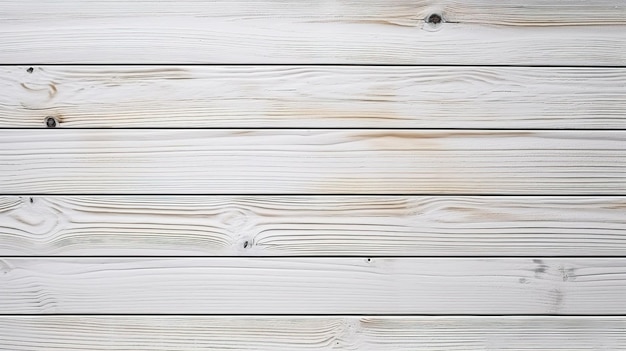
pixel 150 333
pixel 335 31
pixel 313 96
pixel 244 285
pixel 100 161
pixel 313 225
pixel 409 163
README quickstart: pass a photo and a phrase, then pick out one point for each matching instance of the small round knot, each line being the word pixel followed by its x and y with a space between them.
pixel 434 19
pixel 51 122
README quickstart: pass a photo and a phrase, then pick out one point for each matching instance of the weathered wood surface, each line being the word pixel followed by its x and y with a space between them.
pixel 337 31
pixel 312 225
pixel 66 161
pixel 313 96
pixel 166 333
pixel 314 285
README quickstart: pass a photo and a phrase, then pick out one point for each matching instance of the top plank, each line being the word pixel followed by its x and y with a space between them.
pixel 475 32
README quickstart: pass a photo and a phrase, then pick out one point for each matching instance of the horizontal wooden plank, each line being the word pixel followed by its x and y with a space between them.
pixel 336 31
pixel 163 333
pixel 187 161
pixel 314 285
pixel 313 96
pixel 312 225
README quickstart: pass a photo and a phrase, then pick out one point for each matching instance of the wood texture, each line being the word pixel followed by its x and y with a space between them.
pixel 313 96
pixel 65 161
pixel 163 333
pixel 339 214
pixel 312 225
pixel 336 31
pixel 314 286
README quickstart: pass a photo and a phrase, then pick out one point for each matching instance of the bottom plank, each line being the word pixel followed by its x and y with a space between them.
pixel 152 333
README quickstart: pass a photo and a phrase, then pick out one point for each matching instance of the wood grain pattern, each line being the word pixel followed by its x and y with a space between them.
pixel 314 286
pixel 313 96
pixel 336 31
pixel 163 333
pixel 312 225
pixel 65 161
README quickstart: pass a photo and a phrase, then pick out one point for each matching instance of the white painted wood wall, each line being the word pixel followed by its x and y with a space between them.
pixel 312 175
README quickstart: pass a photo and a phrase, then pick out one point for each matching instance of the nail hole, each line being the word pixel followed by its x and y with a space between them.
pixel 434 19
pixel 30 70
pixel 369 260
pixel 31 200
pixel 51 122
pixel 245 245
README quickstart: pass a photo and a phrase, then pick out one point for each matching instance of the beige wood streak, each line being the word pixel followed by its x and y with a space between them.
pixel 335 31
pixel 312 225
pixel 313 96
pixel 314 285
pixel 163 333
pixel 187 161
